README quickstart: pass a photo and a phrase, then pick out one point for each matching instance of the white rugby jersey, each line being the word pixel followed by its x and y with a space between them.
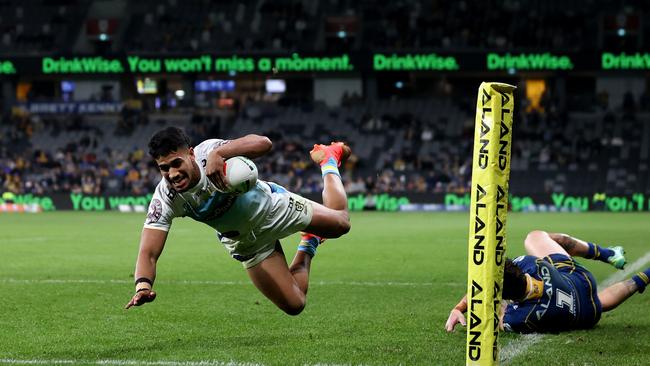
pixel 232 216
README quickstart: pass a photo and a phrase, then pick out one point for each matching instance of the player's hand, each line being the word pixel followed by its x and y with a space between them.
pixel 141 298
pixel 502 314
pixel 455 317
pixel 215 169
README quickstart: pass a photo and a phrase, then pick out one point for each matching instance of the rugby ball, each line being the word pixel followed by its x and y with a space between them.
pixel 241 173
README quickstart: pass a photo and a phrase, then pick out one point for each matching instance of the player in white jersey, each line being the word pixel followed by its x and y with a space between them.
pixel 249 225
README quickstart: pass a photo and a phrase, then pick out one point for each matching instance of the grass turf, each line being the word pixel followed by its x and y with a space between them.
pixel 379 296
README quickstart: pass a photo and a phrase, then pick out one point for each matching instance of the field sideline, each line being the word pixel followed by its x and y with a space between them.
pixel 379 296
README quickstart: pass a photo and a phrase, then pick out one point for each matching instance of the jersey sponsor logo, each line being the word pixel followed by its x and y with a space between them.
pixel 546 277
pixel 155 211
pixel 216 206
pixel 172 193
pixel 222 142
pixel 297 205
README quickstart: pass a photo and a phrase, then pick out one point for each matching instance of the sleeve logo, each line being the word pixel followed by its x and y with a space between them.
pixel 155 211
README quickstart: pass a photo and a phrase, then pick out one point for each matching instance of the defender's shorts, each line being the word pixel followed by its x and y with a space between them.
pixel 288 214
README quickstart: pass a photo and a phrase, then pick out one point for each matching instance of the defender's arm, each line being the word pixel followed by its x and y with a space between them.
pixel 456 315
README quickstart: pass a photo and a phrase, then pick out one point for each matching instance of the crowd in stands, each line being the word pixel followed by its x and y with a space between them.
pixel 77 168
pixel 90 165
pixel 87 166
pixel 412 151
pixel 95 162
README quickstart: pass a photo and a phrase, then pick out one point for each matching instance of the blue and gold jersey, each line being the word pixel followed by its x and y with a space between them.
pixel 569 299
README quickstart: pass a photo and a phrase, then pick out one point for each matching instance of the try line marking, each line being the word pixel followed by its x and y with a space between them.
pixel 525 341
pixel 12 361
pixel 226 283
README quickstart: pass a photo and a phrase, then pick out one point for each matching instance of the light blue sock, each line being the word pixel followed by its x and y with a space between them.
pixel 330 167
pixel 309 245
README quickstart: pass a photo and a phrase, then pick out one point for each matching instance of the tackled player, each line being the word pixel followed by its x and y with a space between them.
pixel 550 292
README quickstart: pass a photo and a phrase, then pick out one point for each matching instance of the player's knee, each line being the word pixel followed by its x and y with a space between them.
pixel 342 225
pixel 294 308
pixel 345 225
pixel 534 237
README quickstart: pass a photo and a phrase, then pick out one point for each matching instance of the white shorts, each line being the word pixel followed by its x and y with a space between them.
pixel 289 214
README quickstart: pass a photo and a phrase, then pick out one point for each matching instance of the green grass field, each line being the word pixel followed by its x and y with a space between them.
pixel 379 296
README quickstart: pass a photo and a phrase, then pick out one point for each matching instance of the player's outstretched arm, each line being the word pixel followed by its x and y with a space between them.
pixel 250 146
pixel 456 315
pixel 152 242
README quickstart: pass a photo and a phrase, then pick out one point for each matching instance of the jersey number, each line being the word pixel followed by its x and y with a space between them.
pixel 562 298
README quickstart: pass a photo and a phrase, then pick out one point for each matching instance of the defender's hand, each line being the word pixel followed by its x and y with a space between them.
pixel 502 314
pixel 141 298
pixel 215 169
pixel 455 317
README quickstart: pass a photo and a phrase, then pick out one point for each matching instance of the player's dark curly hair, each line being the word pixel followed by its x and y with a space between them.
pixel 514 282
pixel 168 140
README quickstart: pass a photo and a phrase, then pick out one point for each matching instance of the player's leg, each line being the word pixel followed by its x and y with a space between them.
pixel 330 157
pixel 285 287
pixel 331 219
pixel 328 223
pixel 540 244
pixel 301 263
pixel 617 293
pixel 580 248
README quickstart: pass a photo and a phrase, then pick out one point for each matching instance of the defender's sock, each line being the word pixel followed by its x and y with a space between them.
pixel 642 279
pixel 330 166
pixel 597 252
pixel 308 244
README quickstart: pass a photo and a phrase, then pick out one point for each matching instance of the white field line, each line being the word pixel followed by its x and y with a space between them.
pixel 23 240
pixel 636 266
pixel 229 283
pixel 525 341
pixel 12 361
pixel 518 346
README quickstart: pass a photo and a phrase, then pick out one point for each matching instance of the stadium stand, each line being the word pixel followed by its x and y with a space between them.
pixel 36 27
pixel 401 145
pixel 579 143
pixel 332 24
